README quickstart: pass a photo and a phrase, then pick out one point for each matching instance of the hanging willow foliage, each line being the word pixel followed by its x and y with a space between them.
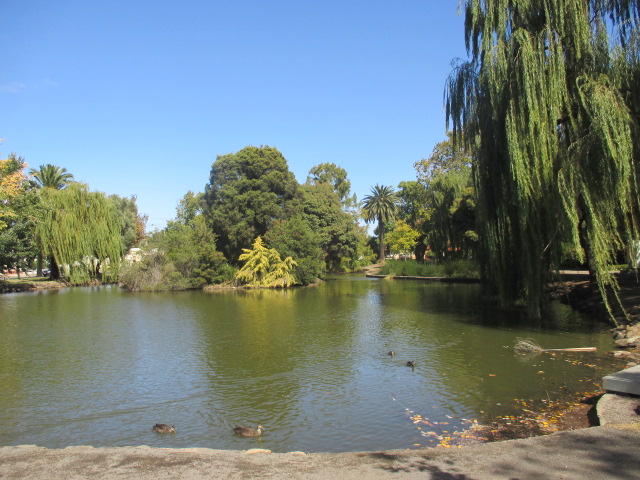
pixel 549 104
pixel 81 231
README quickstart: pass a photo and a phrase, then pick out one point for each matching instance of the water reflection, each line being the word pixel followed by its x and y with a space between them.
pixel 101 366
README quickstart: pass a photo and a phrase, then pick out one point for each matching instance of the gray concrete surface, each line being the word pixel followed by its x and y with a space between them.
pixel 618 409
pixel 625 381
pixel 599 452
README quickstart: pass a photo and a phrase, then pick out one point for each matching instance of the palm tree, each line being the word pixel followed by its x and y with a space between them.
pixel 51 176
pixel 380 205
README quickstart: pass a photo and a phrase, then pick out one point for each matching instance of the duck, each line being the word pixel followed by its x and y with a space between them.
pixel 163 428
pixel 411 364
pixel 392 353
pixel 248 431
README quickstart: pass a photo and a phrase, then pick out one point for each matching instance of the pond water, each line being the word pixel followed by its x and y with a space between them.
pixel 100 366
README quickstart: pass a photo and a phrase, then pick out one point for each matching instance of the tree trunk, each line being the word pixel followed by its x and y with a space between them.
pixel 39 265
pixel 381 237
pixel 584 243
pixel 54 269
pixel 420 250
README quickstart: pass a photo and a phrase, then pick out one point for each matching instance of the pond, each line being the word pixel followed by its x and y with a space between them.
pixel 100 366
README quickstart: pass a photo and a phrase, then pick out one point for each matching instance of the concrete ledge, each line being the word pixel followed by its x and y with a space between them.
pixel 599 452
pixel 626 381
pixel 615 409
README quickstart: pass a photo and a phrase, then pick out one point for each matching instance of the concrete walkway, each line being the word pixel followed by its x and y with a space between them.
pixel 601 452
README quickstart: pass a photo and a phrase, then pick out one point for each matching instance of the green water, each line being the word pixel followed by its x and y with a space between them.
pixel 100 366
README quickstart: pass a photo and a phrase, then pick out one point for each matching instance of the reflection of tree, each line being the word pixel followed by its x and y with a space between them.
pixel 272 351
pixel 465 349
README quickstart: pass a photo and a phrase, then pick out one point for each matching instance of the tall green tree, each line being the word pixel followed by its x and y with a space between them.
pixel 449 200
pixel 412 209
pixel 18 211
pixel 295 238
pixel 336 229
pixel 549 106
pixel 246 193
pixel 12 185
pixel 130 219
pixel 402 238
pixel 336 176
pixel 57 178
pixel 80 230
pixel 51 176
pixel 380 205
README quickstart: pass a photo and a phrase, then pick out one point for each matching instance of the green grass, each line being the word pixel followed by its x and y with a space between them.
pixel 23 280
pixel 23 284
pixel 450 269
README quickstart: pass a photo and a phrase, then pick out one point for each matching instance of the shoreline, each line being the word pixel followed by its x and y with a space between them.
pixel 30 284
pixel 610 450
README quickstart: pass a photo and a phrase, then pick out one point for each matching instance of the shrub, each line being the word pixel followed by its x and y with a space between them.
pixel 450 269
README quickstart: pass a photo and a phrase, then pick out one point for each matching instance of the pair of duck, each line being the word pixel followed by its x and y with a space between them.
pixel 240 430
pixel 410 363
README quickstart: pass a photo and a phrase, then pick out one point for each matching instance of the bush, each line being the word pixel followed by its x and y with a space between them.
pixel 449 269
pixel 180 257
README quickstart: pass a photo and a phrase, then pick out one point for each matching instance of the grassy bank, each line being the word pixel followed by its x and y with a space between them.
pixel 411 268
pixel 26 284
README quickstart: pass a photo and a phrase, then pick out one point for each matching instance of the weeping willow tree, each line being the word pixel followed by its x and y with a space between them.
pixel 80 231
pixel 549 104
pixel 264 267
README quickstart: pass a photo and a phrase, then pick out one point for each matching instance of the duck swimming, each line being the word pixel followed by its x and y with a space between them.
pixel 163 428
pixel 248 431
pixel 392 353
pixel 411 364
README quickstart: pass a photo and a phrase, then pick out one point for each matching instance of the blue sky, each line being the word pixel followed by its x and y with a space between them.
pixel 139 97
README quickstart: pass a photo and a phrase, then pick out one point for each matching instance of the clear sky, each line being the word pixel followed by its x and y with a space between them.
pixel 139 97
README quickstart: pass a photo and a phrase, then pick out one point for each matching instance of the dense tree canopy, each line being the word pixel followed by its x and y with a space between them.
pixel 246 193
pixel 412 209
pixel 133 224
pixel 12 185
pixel 335 229
pixel 336 176
pixel 181 256
pixel 18 211
pixel 295 238
pixel 449 201
pixel 403 238
pixel 55 217
pixel 80 231
pixel 549 103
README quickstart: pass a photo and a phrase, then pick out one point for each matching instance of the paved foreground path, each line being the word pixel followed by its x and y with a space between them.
pixel 598 453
